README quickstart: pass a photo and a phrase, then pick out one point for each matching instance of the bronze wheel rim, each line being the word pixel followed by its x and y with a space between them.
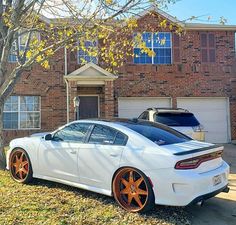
pixel 19 165
pixel 131 190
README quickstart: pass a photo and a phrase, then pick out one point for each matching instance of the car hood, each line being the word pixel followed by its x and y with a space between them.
pixel 39 134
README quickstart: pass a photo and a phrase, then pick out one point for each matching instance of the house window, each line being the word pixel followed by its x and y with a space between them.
pixel 21 43
pixel 208 48
pixel 88 53
pixel 160 43
pixel 22 112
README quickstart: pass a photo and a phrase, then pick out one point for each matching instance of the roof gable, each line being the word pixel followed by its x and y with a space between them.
pixel 91 71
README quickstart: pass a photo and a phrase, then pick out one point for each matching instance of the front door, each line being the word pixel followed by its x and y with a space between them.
pixel 88 107
pixel 59 157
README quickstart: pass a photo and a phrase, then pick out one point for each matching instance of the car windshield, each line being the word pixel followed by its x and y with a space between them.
pixel 159 134
pixel 177 119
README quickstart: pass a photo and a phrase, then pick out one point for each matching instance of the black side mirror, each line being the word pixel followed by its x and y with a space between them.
pixel 48 137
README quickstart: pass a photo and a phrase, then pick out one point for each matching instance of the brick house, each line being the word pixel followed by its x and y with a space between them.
pixel 196 71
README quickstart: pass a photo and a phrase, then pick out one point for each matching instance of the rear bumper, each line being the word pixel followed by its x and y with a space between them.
pixel 180 188
pixel 209 195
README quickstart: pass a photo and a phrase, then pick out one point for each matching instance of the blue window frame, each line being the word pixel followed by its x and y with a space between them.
pixel 85 56
pixel 160 43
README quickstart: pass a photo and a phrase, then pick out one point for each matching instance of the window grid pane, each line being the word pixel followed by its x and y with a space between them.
pixel 86 55
pixel 10 120
pixel 11 104
pixel 29 120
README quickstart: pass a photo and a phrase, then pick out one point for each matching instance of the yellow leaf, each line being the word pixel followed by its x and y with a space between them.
pixel 45 64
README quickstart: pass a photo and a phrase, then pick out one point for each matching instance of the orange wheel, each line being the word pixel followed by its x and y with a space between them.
pixel 132 190
pixel 20 166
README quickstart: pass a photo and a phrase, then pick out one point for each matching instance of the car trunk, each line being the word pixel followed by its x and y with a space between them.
pixel 194 150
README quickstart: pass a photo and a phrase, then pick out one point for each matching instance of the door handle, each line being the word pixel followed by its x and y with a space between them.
pixel 113 154
pixel 73 152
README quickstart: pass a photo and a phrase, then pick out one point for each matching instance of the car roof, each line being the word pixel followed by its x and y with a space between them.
pixel 171 110
pixel 121 122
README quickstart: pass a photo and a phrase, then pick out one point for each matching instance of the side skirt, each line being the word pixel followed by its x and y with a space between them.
pixel 69 183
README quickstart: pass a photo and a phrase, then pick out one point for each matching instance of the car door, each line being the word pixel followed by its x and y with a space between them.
pixel 58 158
pixel 100 157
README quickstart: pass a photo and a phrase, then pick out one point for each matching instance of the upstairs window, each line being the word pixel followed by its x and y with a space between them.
pixel 88 52
pixel 208 48
pixel 13 55
pixel 22 39
pixel 160 43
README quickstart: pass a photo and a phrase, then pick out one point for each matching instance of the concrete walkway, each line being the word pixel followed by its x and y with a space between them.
pixel 220 210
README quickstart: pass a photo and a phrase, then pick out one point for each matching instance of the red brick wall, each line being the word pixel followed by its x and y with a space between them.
pixel 189 77
pixel 50 85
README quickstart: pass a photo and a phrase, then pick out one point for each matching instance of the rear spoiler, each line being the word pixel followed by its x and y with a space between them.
pixel 197 150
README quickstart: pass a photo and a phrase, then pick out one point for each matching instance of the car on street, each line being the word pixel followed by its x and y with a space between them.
pixel 140 163
pixel 177 118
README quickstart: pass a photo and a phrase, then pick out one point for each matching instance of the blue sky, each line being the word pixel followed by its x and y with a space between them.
pixel 184 9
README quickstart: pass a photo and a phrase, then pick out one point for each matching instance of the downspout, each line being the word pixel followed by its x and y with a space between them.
pixel 67 89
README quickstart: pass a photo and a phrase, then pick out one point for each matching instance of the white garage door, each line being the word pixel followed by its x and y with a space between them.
pixel 212 113
pixel 130 107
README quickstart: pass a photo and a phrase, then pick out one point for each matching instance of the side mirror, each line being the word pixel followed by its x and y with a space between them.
pixel 48 137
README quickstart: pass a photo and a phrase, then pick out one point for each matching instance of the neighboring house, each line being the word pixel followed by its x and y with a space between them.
pixel 196 71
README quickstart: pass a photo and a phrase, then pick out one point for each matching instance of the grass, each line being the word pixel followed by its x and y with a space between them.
pixel 43 202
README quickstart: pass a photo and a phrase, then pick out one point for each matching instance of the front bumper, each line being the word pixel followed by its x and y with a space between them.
pixel 181 187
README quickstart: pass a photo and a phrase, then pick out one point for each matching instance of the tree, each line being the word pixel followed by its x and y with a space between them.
pixel 22 20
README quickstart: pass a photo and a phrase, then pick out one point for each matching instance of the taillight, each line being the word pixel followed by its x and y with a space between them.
pixel 193 163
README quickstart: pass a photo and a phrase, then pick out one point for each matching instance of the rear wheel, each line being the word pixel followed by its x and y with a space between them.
pixel 20 166
pixel 132 190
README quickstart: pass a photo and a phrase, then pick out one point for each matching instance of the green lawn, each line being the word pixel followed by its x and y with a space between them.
pixel 44 202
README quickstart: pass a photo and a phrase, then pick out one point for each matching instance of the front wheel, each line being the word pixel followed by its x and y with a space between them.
pixel 20 166
pixel 132 190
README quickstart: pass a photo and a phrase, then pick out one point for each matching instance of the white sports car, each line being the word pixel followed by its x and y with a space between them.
pixel 140 163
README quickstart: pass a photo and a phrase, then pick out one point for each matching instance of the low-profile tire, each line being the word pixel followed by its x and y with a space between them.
pixel 20 166
pixel 132 190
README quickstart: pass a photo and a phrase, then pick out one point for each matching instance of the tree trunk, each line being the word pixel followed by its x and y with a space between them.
pixel 2 153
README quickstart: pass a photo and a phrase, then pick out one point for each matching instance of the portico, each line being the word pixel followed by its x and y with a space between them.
pixel 92 86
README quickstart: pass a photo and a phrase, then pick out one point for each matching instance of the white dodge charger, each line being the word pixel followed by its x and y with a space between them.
pixel 138 162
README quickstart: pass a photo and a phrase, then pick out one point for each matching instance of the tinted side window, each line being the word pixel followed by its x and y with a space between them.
pixel 159 135
pixel 121 139
pixel 75 133
pixel 102 135
pixel 177 119
pixel 144 116
pixel 107 136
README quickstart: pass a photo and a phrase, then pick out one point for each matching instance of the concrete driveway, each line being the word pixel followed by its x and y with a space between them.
pixel 220 210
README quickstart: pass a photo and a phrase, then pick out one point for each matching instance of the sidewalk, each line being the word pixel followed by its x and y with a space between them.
pixel 220 210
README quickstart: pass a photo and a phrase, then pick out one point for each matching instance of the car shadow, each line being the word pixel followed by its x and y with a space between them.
pixel 166 214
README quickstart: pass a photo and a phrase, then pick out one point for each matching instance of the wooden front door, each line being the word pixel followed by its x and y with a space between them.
pixel 88 107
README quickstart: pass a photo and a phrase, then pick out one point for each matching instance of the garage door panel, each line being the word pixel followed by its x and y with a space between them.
pixel 131 107
pixel 212 113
